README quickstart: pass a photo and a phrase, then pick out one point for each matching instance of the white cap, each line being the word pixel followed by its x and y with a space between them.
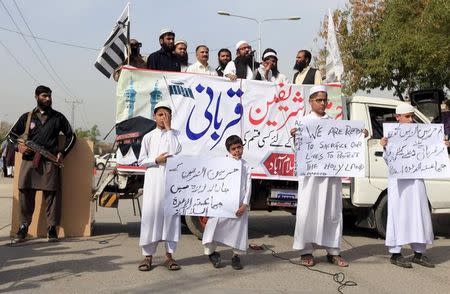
pixel 404 108
pixel 162 103
pixel 318 88
pixel 240 43
pixel 180 42
pixel 165 31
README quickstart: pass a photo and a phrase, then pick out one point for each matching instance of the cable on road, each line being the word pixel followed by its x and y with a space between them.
pixel 338 277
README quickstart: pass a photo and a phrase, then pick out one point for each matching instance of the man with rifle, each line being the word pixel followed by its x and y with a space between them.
pixel 35 135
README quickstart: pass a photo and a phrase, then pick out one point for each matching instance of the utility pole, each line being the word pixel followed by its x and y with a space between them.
pixel 73 102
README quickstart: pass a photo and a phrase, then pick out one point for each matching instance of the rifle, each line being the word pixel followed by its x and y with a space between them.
pixel 37 149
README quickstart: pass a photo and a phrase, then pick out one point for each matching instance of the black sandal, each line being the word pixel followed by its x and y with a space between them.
pixel 171 264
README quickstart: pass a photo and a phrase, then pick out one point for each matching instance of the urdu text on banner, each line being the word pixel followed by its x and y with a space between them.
pixel 209 109
pixel 203 186
pixel 416 151
pixel 330 148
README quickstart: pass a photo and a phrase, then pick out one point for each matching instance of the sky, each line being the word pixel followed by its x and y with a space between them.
pixel 87 23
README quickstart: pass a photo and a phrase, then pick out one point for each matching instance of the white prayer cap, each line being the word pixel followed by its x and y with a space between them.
pixel 240 43
pixel 165 31
pixel 318 88
pixel 404 108
pixel 180 42
pixel 163 103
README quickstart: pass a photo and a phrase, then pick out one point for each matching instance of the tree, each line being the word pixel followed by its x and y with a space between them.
pixel 91 134
pixel 394 44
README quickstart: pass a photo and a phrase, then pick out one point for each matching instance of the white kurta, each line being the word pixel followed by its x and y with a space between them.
pixel 155 226
pixel 197 67
pixel 232 231
pixel 319 209
pixel 409 218
pixel 231 69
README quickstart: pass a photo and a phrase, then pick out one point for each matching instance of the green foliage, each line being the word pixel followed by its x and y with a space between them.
pixel 395 44
pixel 91 134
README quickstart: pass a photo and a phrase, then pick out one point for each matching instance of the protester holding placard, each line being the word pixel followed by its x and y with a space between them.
pixel 408 216
pixel 231 231
pixel 156 147
pixel 319 202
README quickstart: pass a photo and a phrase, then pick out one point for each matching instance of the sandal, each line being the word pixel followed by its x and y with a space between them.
pixel 171 264
pixel 337 260
pixel 307 260
pixel 146 264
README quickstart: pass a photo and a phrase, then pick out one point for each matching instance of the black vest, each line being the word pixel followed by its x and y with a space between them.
pixel 241 69
pixel 309 78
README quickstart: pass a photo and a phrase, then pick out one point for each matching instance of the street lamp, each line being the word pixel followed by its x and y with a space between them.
pixel 259 22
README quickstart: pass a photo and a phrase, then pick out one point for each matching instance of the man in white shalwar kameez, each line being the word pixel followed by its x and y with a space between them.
pixel 408 217
pixel 319 202
pixel 156 147
pixel 231 231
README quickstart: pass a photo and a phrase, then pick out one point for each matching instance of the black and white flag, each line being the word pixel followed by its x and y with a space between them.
pixel 114 52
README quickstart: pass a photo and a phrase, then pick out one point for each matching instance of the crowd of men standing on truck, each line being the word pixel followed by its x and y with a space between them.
pixel 173 56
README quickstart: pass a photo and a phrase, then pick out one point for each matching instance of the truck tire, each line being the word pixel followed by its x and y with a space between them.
pixel 196 224
pixel 100 166
pixel 381 215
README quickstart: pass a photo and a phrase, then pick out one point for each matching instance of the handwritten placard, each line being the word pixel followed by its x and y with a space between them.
pixel 328 147
pixel 416 151
pixel 202 186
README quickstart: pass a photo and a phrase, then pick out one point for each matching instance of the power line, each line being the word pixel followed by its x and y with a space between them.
pixel 51 41
pixel 32 50
pixel 18 62
pixel 42 51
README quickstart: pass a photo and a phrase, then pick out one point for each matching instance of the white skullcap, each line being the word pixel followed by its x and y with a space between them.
pixel 165 31
pixel 404 108
pixel 318 88
pixel 180 42
pixel 240 43
pixel 162 103
pixel 270 53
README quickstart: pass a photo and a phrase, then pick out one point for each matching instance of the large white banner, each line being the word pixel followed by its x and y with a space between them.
pixel 207 110
pixel 202 186
pixel 326 147
pixel 416 151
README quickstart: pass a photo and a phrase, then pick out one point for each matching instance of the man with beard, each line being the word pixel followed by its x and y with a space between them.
pixel 164 59
pixel 136 59
pixel 244 65
pixel 224 56
pixel 42 125
pixel 268 70
pixel 306 74
pixel 181 52
pixel 202 66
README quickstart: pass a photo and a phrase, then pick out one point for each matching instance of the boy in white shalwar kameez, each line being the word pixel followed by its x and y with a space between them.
pixel 156 147
pixel 408 217
pixel 231 231
pixel 319 205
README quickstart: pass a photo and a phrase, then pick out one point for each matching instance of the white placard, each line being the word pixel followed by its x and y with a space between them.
pixel 330 148
pixel 416 151
pixel 202 186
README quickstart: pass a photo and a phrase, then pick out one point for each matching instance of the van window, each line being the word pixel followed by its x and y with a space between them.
pixel 380 115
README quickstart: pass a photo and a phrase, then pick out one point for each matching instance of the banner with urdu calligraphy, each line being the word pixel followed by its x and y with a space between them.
pixel 200 186
pixel 416 151
pixel 208 109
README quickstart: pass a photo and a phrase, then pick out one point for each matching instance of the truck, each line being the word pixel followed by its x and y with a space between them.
pixel 364 198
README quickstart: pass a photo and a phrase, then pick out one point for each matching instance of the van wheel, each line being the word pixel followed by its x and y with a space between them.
pixel 381 215
pixel 100 166
pixel 196 224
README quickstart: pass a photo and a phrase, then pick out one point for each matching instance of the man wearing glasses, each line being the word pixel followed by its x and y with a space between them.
pixel 319 207
pixel 244 64
pixel 136 59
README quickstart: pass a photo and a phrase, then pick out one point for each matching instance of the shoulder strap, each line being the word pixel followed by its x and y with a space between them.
pixel 27 126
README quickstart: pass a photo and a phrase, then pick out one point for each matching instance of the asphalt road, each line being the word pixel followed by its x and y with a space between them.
pixel 107 262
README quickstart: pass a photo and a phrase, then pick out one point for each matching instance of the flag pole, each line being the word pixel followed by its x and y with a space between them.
pixel 128 36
